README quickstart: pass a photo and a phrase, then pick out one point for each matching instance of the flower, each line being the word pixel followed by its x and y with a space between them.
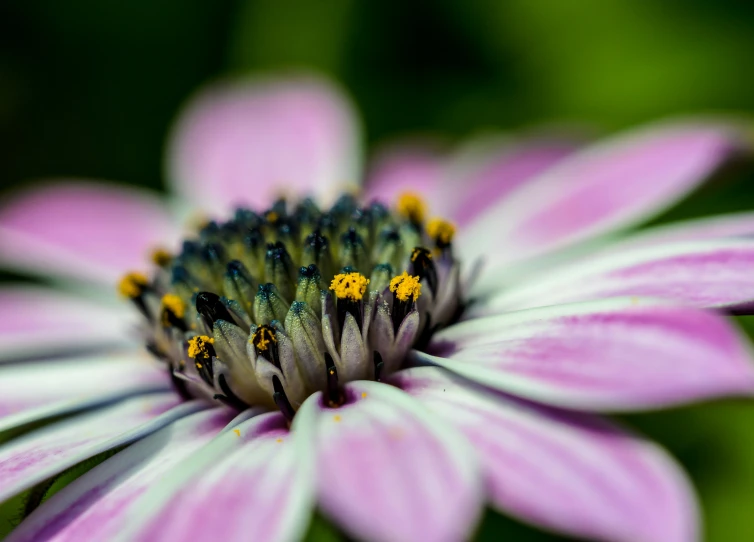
pixel 497 407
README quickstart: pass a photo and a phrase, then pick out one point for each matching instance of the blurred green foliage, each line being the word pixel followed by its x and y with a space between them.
pixel 88 89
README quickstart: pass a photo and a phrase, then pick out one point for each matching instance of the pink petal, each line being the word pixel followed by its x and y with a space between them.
pixel 36 321
pixel 253 482
pixel 50 450
pixel 616 354
pixel 83 230
pixel 491 174
pixel 607 186
pixel 35 390
pixel 704 274
pixel 98 505
pixel 571 473
pixel 388 471
pixel 701 229
pixel 410 168
pixel 247 143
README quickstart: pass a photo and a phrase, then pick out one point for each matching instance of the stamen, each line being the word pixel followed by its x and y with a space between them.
pixel 378 365
pixel 266 344
pixel 279 269
pixel 441 231
pixel 334 397
pixel 161 257
pixel 349 286
pixel 423 267
pixel 133 284
pixel 228 397
pixel 201 350
pixel 173 309
pixel 212 308
pixel 281 400
pixel 405 286
pixel 411 206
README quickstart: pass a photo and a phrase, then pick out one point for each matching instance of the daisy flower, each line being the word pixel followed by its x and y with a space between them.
pixel 399 356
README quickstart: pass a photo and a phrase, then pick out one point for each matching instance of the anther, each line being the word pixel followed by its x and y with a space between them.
pixel 172 311
pixel 352 251
pixel 349 289
pixel 317 251
pixel 211 307
pixel 423 267
pixel 406 290
pixel 161 257
pixel 281 400
pixel 133 286
pixel 441 232
pixel 279 269
pixel 200 349
pixel 334 397
pixel 266 344
pixel 411 206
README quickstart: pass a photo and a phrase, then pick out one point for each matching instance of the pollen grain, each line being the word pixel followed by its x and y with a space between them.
pixel 132 285
pixel 198 346
pixel 405 286
pixel 349 286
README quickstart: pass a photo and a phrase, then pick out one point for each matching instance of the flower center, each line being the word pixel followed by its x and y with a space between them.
pixel 266 309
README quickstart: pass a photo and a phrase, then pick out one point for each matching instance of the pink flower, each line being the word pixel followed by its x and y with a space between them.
pixel 497 409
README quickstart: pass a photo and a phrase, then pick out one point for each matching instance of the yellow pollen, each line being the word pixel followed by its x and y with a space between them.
pixel 336 418
pixel 418 251
pixel 237 432
pixel 272 217
pixel 174 304
pixel 198 347
pixel 132 284
pixel 161 257
pixel 363 395
pixel 262 337
pixel 441 231
pixel 405 286
pixel 279 440
pixel 349 286
pixel 412 206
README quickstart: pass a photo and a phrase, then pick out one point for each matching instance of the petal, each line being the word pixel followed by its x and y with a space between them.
pixel 83 230
pixel 43 453
pixel 488 171
pixel 253 482
pixel 705 274
pixel 37 321
pixel 716 227
pixel 37 390
pixel 568 472
pixel 97 505
pixel 607 186
pixel 616 354
pixel 388 471
pixel 249 142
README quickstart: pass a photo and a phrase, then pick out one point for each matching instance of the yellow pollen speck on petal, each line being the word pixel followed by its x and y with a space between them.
pixel 132 285
pixel 412 206
pixel 198 347
pixel 279 440
pixel 336 418
pixel 441 231
pixel 363 395
pixel 174 304
pixel 349 286
pixel 405 286
pixel 161 257
pixel 237 432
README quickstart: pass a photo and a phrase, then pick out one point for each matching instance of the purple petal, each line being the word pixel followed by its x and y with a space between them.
pixel 83 230
pixel 572 473
pixel 717 227
pixel 713 274
pixel 35 390
pixel 247 143
pixel 97 505
pixel 36 321
pixel 253 482
pixel 388 471
pixel 607 186
pixel 490 174
pixel 50 450
pixel 616 354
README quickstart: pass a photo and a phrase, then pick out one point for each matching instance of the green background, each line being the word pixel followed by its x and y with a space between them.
pixel 88 88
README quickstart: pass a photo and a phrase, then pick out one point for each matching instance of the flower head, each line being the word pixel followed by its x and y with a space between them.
pixel 337 349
